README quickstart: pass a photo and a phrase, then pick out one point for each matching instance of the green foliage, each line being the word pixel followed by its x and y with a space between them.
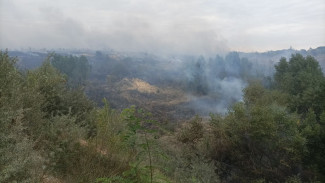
pixel 62 134
pixel 50 85
pixel 139 123
pixel 135 174
pixel 303 79
pixel 256 94
pixel 18 160
pixel 110 129
pixel 40 122
pixel 314 133
pixel 186 151
pixel 9 78
pixel 49 129
pixel 139 140
pixel 196 169
pixel 193 132
pixel 76 68
pixel 257 139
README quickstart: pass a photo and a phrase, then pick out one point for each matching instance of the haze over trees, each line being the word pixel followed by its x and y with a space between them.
pixel 77 69
pixel 50 130
pixel 162 91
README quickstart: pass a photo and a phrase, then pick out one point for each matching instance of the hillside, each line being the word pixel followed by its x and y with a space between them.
pixel 52 132
pixel 175 87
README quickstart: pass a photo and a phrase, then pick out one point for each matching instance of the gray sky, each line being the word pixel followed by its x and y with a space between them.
pixel 164 26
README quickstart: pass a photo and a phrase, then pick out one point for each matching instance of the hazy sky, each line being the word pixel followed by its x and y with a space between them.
pixel 165 26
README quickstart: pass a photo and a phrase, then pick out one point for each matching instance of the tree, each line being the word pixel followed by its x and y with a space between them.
pixel 258 138
pixel 76 68
pixel 41 121
pixel 19 162
pixel 303 79
pixel 198 80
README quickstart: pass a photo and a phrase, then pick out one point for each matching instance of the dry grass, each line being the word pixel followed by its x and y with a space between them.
pixel 138 85
pixel 167 103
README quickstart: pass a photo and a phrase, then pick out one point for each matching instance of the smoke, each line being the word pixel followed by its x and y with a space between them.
pixel 161 26
pixel 54 26
pixel 214 84
pixel 168 27
pixel 227 91
pixel 211 85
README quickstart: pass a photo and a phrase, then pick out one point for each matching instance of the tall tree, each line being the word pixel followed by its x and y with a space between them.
pixel 302 78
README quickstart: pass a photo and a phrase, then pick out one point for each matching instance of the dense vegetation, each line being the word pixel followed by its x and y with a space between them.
pixel 76 68
pixel 51 132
